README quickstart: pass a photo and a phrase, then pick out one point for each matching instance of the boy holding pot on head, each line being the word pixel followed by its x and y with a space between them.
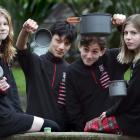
pixel 45 93
pixel 88 79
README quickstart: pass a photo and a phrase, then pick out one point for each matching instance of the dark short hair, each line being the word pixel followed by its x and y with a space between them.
pixel 86 40
pixel 62 28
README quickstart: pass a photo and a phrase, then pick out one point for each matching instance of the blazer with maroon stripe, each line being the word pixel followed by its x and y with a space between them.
pixel 85 97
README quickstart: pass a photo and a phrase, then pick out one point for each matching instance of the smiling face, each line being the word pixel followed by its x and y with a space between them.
pixel 59 46
pixel 4 28
pixel 91 53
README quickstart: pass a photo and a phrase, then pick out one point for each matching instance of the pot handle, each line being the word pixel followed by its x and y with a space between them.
pixel 73 20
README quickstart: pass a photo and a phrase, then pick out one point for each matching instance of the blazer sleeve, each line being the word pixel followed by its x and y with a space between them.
pixel 27 60
pixel 73 107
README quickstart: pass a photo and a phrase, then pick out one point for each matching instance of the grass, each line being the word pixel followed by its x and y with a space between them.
pixel 20 80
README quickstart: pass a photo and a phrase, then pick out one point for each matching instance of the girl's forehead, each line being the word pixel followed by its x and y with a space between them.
pixel 3 16
pixel 130 26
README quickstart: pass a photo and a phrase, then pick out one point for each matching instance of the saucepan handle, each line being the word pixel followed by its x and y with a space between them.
pixel 73 20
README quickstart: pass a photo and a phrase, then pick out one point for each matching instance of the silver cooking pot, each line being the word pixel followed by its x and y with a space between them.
pixel 93 23
pixel 42 37
pixel 1 72
pixel 41 42
pixel 118 88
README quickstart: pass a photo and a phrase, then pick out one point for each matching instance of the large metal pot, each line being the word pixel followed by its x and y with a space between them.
pixel 93 23
pixel 118 88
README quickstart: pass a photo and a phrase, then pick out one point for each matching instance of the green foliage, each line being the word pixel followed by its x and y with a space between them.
pixel 20 80
pixel 21 10
pixel 40 9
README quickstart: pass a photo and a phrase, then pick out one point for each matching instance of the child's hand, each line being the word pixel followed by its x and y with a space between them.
pixel 118 19
pixel 103 115
pixel 30 26
pixel 3 85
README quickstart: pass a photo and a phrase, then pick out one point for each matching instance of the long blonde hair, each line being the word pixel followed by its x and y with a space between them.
pixel 127 56
pixel 7 51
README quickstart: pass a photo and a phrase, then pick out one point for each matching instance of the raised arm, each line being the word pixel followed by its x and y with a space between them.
pixel 29 26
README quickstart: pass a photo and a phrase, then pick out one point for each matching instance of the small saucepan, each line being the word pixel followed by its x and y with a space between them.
pixel 43 37
pixel 1 72
pixel 93 23
pixel 118 88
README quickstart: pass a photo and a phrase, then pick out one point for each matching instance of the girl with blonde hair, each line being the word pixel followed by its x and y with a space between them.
pixel 12 119
pixel 124 116
pixel 7 49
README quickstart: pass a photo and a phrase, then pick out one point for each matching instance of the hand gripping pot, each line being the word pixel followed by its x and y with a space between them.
pixel 118 88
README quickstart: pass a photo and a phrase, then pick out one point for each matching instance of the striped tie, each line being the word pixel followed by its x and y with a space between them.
pixel 104 79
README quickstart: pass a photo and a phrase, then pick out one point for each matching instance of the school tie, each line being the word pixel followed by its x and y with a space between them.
pixel 104 78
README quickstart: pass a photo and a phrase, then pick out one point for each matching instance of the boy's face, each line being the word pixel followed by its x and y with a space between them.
pixel 59 46
pixel 91 53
